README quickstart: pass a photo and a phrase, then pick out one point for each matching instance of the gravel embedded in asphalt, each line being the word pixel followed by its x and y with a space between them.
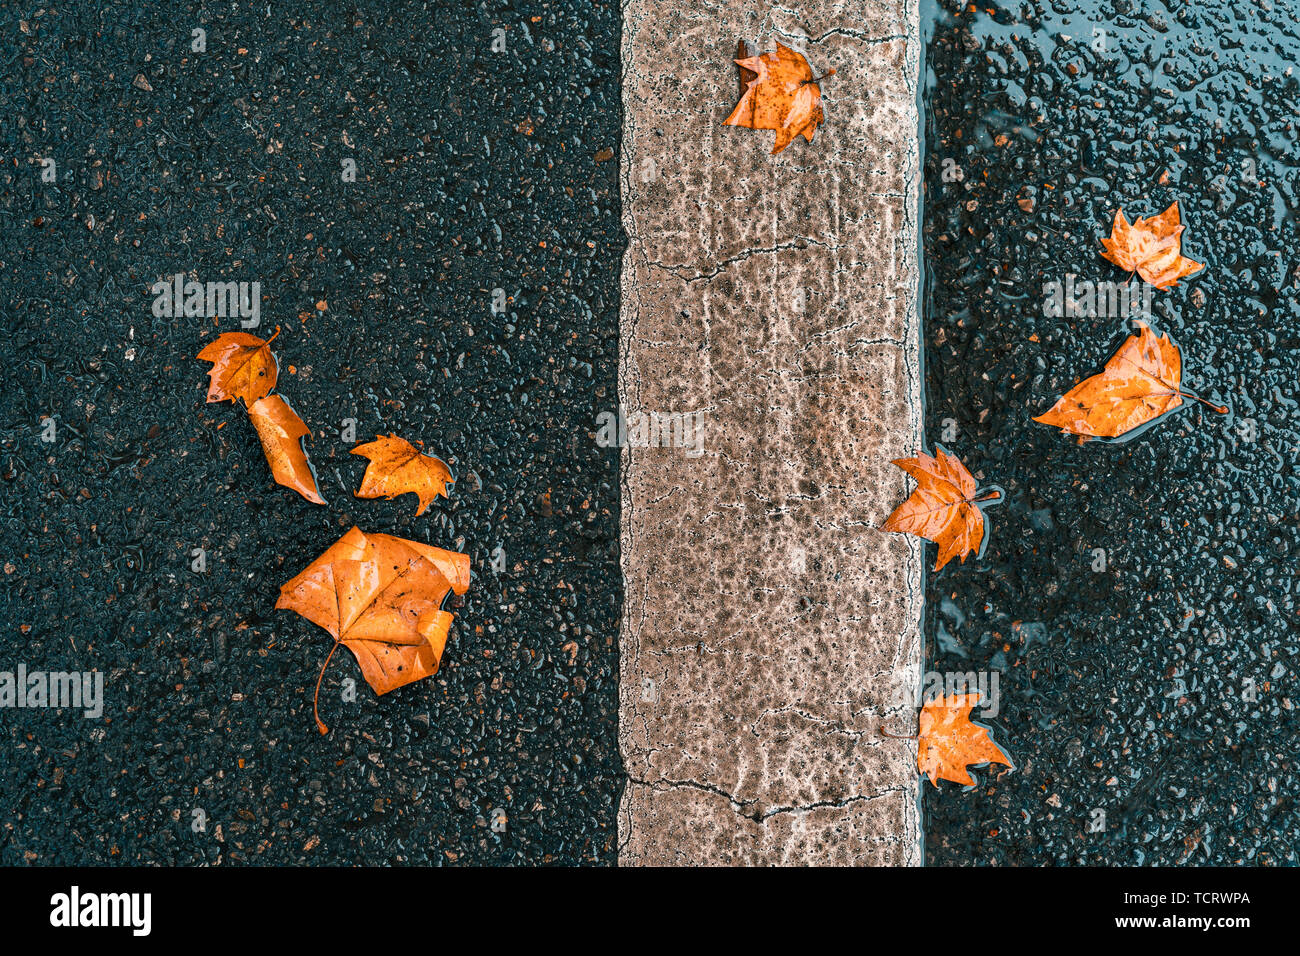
pixel 476 170
pixel 1138 599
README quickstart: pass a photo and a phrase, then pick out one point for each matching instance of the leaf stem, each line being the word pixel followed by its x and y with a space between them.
pixel 273 335
pixel 1221 409
pixel 886 733
pixel 1173 390
pixel 315 701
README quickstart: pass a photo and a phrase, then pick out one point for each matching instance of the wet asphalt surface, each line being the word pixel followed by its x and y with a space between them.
pixel 477 170
pixel 1158 690
pixel 1149 705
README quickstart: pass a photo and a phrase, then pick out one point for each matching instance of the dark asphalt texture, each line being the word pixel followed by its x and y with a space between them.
pixel 476 170
pixel 1161 690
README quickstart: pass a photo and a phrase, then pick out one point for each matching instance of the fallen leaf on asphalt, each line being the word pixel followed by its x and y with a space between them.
pixel 1140 382
pixel 282 431
pixel 242 367
pixel 783 96
pixel 397 467
pixel 949 742
pixel 1150 247
pixel 943 507
pixel 381 597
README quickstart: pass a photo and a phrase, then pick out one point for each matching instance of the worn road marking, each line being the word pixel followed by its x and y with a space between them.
pixel 768 628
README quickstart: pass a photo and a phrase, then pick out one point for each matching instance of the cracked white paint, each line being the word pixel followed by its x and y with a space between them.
pixel 769 630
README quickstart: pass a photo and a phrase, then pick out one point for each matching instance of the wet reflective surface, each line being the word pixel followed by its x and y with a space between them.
pixel 1138 599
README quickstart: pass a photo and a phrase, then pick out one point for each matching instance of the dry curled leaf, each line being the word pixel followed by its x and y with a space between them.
pixel 381 597
pixel 948 742
pixel 397 467
pixel 243 367
pixel 783 96
pixel 1141 382
pixel 281 432
pixel 1150 247
pixel 943 507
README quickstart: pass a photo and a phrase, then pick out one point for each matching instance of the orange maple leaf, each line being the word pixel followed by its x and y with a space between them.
pixel 243 367
pixel 397 467
pixel 382 597
pixel 1150 247
pixel 783 95
pixel 949 742
pixel 1140 382
pixel 943 507
pixel 281 432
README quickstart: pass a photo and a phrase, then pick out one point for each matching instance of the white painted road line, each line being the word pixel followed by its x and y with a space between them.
pixel 768 627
